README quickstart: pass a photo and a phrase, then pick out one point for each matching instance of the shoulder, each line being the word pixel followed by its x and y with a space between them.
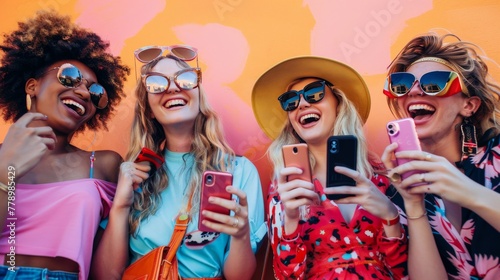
pixel 242 161
pixel 107 165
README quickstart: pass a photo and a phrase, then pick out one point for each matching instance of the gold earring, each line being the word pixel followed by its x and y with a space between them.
pixel 28 102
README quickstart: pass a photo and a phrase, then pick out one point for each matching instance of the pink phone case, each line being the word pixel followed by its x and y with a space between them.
pixel 214 184
pixel 297 155
pixel 404 133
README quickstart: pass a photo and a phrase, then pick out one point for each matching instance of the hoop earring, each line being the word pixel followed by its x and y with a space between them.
pixel 28 102
pixel 469 138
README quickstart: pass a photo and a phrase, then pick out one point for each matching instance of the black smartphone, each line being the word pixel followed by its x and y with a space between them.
pixel 342 150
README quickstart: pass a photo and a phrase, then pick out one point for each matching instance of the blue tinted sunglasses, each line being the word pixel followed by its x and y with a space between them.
pixel 312 93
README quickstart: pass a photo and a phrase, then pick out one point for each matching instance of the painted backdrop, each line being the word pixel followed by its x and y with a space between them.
pixel 239 39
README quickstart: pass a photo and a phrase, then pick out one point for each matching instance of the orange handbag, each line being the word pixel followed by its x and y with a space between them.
pixel 160 263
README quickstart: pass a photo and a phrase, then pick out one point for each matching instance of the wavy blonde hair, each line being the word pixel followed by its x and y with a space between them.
pixel 209 149
pixel 471 67
pixel 348 122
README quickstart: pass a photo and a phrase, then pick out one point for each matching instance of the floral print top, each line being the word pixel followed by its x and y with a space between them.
pixel 474 251
pixel 324 246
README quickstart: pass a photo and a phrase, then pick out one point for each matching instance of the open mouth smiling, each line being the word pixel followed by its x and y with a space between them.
pixel 75 106
pixel 417 110
pixel 175 103
pixel 309 118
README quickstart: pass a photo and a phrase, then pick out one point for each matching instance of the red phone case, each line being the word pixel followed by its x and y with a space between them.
pixel 150 156
pixel 404 133
pixel 214 184
pixel 297 155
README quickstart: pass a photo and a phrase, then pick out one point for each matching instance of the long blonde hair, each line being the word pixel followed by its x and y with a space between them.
pixel 348 122
pixel 209 149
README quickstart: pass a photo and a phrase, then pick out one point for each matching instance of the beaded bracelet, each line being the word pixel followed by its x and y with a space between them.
pixel 4 187
pixel 418 217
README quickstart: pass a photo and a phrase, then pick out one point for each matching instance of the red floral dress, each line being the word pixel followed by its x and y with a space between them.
pixel 474 251
pixel 324 246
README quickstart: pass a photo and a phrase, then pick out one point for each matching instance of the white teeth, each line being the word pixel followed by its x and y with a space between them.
pixel 174 102
pixel 421 107
pixel 81 109
pixel 305 117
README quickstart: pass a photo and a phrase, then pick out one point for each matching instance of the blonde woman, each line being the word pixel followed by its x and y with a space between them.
pixel 312 236
pixel 174 119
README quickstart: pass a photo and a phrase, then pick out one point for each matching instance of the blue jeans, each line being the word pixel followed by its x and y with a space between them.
pixel 34 273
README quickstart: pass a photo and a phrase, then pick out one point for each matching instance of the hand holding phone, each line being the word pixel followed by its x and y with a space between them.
pixel 404 133
pixel 214 184
pixel 297 155
pixel 342 150
pixel 150 156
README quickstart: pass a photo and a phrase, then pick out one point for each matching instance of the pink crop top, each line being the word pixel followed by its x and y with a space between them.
pixel 58 219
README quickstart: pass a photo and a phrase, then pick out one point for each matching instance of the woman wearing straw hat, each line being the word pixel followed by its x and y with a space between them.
pixel 313 237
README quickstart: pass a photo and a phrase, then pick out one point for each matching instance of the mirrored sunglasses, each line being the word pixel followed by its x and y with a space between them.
pixel 185 79
pixel 150 53
pixel 312 93
pixel 435 83
pixel 70 76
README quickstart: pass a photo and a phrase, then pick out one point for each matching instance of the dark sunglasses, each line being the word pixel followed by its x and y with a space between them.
pixel 185 79
pixel 70 76
pixel 312 93
pixel 435 83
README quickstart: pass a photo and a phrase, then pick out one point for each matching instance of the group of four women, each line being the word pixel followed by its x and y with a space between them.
pixel 64 82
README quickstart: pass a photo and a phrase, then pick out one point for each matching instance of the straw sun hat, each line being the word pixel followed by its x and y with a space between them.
pixel 274 82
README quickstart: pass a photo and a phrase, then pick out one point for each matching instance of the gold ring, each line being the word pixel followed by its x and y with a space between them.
pixel 237 207
pixel 422 177
pixel 394 177
pixel 236 222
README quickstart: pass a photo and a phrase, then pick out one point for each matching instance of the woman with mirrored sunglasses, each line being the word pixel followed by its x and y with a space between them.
pixel 311 235
pixel 174 119
pixel 444 85
pixel 53 87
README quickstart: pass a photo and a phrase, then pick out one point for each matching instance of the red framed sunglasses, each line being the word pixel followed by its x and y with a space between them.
pixel 434 83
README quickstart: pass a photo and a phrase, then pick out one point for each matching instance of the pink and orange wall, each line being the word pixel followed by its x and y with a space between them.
pixel 240 39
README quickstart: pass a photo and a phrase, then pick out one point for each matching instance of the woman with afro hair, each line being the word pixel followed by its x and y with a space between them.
pixel 56 79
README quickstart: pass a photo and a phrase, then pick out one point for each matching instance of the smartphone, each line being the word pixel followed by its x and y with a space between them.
pixel 297 155
pixel 403 132
pixel 151 157
pixel 214 183
pixel 342 150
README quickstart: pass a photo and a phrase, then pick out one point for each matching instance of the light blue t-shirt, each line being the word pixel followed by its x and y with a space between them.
pixel 200 255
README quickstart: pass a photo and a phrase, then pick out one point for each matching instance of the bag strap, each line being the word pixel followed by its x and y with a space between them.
pixel 179 231
pixel 181 224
